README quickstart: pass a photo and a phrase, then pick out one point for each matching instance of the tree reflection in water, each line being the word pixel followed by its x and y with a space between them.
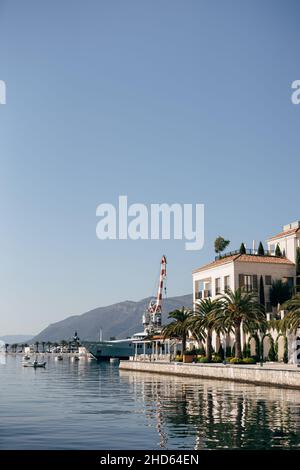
pixel 206 414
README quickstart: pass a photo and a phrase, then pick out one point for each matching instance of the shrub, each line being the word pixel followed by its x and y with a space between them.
pixel 249 360
pixel 216 358
pixel 179 358
pixel 199 351
pixel 203 359
pixel 221 352
pixel 236 360
pixel 272 352
pixel 189 352
pixel 247 351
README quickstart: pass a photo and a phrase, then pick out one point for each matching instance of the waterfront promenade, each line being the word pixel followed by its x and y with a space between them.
pixel 279 375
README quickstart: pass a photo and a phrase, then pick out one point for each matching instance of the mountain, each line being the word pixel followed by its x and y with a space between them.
pixel 11 339
pixel 119 320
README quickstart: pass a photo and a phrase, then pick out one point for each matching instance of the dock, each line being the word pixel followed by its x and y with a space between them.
pixel 276 375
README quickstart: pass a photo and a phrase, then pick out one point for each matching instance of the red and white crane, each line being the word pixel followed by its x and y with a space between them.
pixel 152 316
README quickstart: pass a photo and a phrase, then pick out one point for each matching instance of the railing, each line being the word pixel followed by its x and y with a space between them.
pixel 248 252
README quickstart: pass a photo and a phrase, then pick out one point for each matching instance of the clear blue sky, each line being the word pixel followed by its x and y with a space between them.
pixel 165 101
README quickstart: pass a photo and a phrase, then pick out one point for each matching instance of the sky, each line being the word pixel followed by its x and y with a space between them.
pixel 163 101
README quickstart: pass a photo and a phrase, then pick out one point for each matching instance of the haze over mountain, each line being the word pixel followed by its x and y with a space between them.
pixel 11 339
pixel 118 320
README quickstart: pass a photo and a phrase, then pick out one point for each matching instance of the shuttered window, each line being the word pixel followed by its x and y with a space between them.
pixel 241 280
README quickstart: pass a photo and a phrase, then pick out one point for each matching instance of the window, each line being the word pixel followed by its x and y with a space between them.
pixel 272 249
pixel 268 280
pixel 226 283
pixel 218 286
pixel 199 288
pixel 248 281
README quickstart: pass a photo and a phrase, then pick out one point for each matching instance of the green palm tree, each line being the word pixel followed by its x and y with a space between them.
pixel 179 327
pixel 203 321
pixel 240 308
pixel 43 346
pixel 63 344
pixel 49 345
pixel 37 346
pixel 292 319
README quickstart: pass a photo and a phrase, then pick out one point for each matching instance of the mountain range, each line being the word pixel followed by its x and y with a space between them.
pixel 119 320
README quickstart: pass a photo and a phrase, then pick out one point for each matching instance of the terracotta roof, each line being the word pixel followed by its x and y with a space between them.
pixel 264 259
pixel 225 260
pixel 245 259
pixel 285 233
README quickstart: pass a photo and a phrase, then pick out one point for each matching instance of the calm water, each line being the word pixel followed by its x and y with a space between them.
pixel 86 405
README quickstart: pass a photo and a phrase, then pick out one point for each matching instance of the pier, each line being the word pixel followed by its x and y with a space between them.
pixel 276 375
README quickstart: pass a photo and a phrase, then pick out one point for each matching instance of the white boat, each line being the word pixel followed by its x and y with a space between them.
pixel 34 364
pixel 59 357
pixel 26 357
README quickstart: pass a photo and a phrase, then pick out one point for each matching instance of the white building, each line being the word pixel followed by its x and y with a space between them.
pixel 246 270
pixel 288 241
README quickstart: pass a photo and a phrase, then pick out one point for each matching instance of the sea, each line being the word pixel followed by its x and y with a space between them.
pixel 93 405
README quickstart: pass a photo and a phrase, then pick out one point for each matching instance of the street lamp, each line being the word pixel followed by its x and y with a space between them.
pixel 260 336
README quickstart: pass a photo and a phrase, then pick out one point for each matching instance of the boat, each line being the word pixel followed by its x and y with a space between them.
pixel 105 350
pixel 34 364
pixel 59 357
pixel 114 360
pixel 75 358
pixel 125 348
pixel 26 357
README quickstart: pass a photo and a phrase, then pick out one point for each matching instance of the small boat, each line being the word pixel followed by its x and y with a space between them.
pixel 75 358
pixel 114 360
pixel 34 364
pixel 26 357
pixel 59 357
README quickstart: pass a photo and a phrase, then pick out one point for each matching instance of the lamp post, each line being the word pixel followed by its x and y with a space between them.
pixel 260 336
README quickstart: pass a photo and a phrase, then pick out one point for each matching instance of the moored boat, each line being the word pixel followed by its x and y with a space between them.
pixel 34 364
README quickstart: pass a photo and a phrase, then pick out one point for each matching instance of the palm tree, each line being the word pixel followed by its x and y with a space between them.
pixel 6 347
pixel 63 344
pixel 43 346
pixel 292 319
pixel 179 327
pixel 240 308
pixel 37 346
pixel 202 322
pixel 49 345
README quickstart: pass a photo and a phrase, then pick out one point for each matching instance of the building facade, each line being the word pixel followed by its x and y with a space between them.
pixel 249 271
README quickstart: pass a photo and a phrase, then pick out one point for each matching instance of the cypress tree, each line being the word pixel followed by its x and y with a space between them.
pixel 262 292
pixel 298 261
pixel 278 251
pixel 261 250
pixel 242 249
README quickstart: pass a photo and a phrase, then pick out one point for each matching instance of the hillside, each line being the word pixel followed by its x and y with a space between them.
pixel 120 320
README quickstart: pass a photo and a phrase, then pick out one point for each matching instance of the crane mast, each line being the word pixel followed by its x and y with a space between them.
pixel 152 316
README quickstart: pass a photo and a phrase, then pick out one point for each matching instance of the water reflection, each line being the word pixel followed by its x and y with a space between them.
pixel 87 405
pixel 217 414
